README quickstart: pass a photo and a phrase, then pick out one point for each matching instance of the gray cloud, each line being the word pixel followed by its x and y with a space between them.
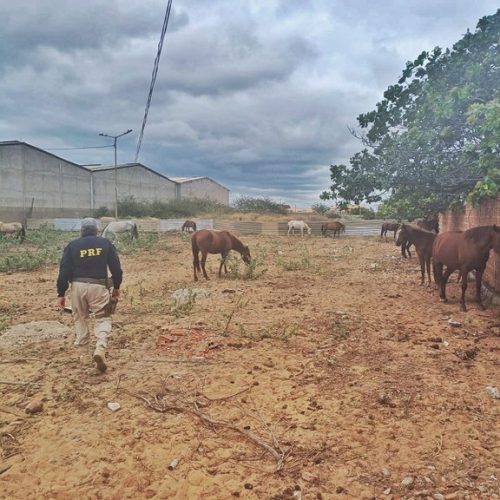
pixel 256 95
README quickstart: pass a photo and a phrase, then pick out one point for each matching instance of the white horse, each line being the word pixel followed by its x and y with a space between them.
pixel 15 228
pixel 298 224
pixel 122 226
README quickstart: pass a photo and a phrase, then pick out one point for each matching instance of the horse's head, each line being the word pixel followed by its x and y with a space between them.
pixel 401 235
pixel 245 255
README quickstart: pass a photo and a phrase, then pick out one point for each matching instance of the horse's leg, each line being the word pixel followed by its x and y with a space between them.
pixel 479 279
pixel 196 264
pixel 203 261
pixel 443 280
pixel 422 268
pixel 223 256
pixel 465 271
pixel 428 264
pixel 408 245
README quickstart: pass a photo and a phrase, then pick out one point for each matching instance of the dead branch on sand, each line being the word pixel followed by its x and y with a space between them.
pixel 161 406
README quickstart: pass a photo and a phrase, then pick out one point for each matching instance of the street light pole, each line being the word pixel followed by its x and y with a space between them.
pixel 115 137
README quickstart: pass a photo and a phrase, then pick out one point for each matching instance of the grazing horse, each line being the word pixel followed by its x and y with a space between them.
pixel 389 226
pixel 429 224
pixel 423 241
pixel 298 224
pixel 188 226
pixel 222 242
pixel 336 227
pixel 122 226
pixel 15 228
pixel 466 251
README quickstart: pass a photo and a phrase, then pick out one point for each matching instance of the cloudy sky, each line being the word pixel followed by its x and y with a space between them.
pixel 257 94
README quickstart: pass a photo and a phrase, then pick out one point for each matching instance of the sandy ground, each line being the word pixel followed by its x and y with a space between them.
pixel 344 368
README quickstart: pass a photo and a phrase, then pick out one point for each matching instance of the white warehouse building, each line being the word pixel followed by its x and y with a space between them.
pixel 36 183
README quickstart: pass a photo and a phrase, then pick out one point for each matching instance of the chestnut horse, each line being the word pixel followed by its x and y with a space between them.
pixel 336 227
pixel 466 251
pixel 189 224
pixel 389 226
pixel 423 241
pixel 221 242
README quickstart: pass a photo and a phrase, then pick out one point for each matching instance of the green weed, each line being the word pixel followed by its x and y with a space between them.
pixel 251 271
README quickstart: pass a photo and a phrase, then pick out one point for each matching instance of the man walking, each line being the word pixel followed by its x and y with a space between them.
pixel 85 264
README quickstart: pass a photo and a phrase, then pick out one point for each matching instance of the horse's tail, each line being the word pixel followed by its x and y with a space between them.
pixel 104 231
pixel 196 250
pixel 183 226
pixel 382 230
pixel 135 232
pixel 23 233
pixel 194 226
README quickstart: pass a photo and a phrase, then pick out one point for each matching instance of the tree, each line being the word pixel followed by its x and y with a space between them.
pixel 434 138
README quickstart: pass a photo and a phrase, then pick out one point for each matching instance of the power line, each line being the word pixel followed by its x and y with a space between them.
pixel 153 77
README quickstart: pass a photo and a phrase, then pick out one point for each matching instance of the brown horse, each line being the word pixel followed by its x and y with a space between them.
pixel 189 225
pixel 336 226
pixel 389 226
pixel 221 242
pixel 466 251
pixel 423 241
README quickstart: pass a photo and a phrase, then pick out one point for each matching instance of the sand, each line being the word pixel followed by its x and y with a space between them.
pixel 345 366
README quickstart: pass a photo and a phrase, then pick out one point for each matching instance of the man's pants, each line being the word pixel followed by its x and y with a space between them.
pixel 86 298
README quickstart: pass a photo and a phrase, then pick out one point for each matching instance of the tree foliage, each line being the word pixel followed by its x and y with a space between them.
pixel 434 138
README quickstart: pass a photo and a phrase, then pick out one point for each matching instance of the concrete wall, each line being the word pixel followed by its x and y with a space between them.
pixel 58 187
pixel 204 188
pixel 136 181
pixel 484 215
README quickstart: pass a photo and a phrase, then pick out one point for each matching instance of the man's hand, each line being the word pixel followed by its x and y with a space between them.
pixel 61 302
pixel 115 293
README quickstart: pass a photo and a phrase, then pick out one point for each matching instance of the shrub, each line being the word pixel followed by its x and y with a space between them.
pixel 185 207
pixel 102 212
pixel 320 208
pixel 260 205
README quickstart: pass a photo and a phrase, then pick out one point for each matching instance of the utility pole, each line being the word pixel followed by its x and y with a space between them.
pixel 115 137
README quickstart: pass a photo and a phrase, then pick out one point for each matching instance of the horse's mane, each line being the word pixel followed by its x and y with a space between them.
pixel 477 234
pixel 418 229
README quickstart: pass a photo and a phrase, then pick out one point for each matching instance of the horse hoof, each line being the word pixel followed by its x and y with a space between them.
pixel 481 307
pixel 463 308
pixel 443 300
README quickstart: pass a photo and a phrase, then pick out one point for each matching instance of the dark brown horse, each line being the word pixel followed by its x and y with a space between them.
pixel 389 226
pixel 423 241
pixel 189 225
pixel 429 224
pixel 221 242
pixel 336 226
pixel 405 249
pixel 466 251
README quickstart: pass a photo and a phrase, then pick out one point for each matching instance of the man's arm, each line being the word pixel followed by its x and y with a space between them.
pixel 65 272
pixel 115 267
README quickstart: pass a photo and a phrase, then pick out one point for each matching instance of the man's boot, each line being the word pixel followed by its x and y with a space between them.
pixel 100 359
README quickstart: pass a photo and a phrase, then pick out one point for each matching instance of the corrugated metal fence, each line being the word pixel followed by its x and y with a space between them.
pixel 353 228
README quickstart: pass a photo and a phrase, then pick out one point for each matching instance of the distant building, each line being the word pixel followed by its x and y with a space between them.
pixel 201 187
pixel 36 183
pixel 134 179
